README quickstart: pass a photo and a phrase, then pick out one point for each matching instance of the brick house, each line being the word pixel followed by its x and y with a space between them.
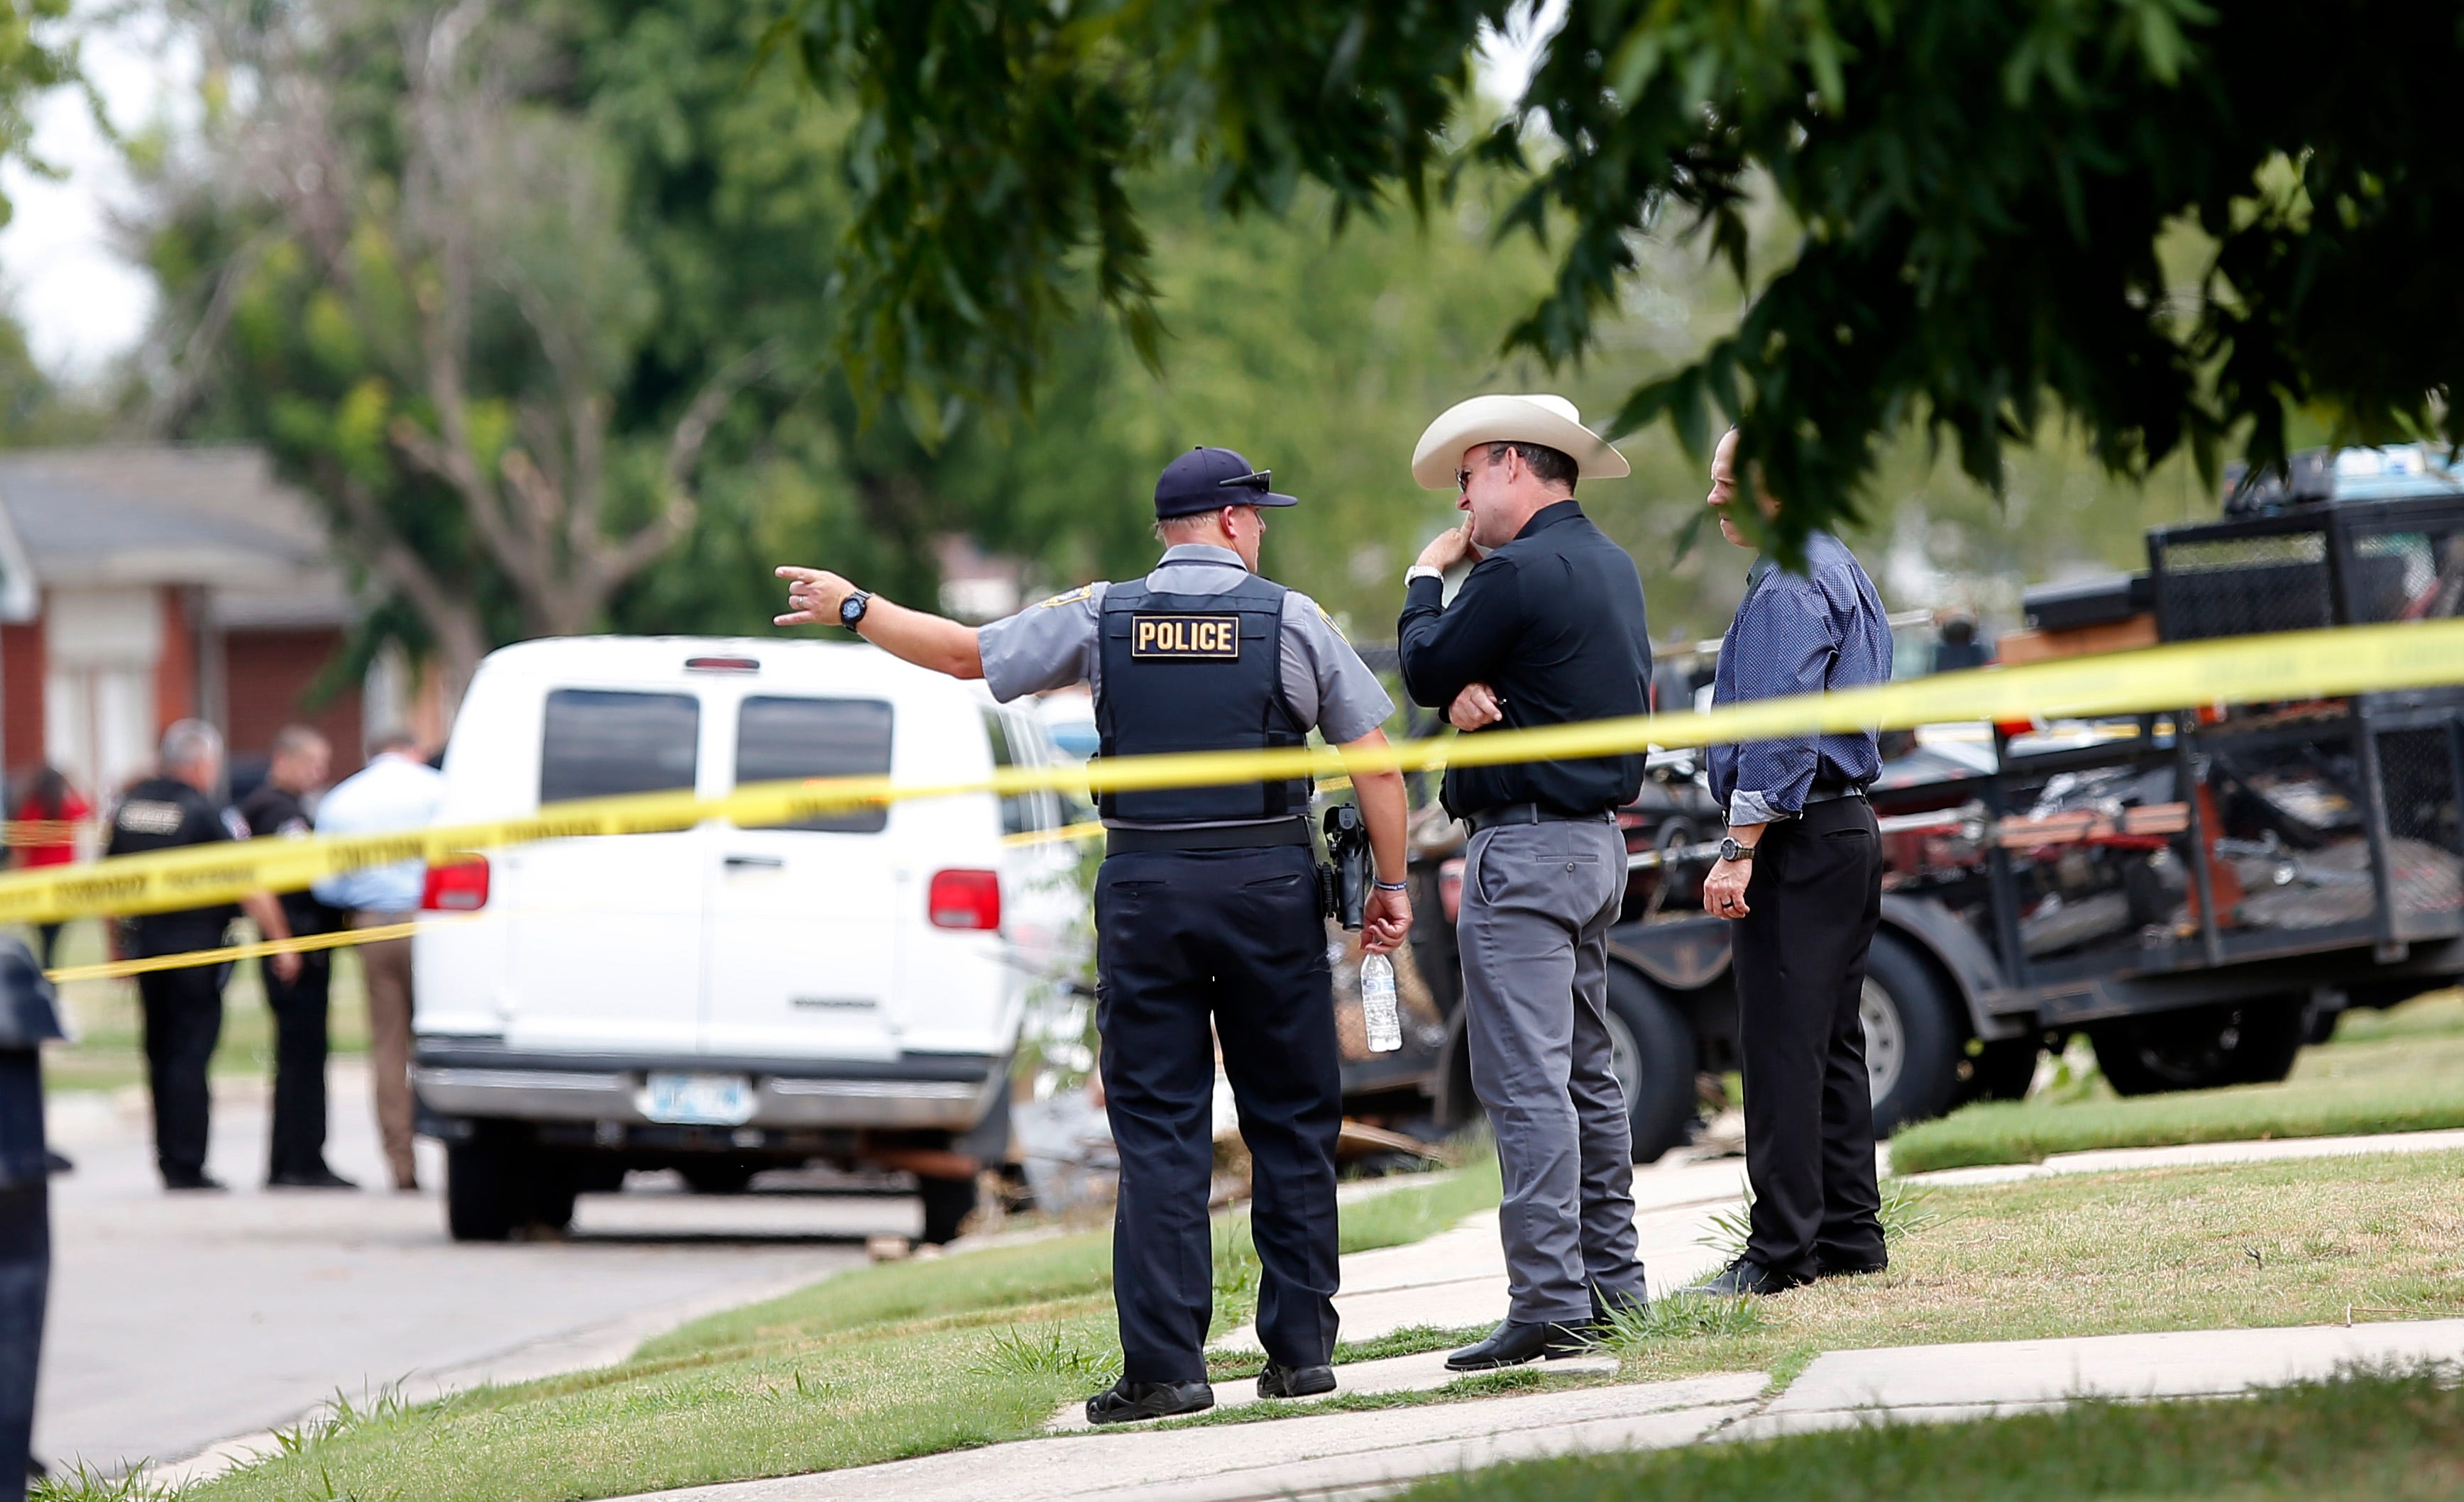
pixel 143 583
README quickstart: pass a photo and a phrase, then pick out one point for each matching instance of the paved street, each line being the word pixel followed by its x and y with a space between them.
pixel 180 1322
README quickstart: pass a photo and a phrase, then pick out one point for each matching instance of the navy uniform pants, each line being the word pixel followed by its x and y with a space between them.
pixel 1233 937
pixel 183 1017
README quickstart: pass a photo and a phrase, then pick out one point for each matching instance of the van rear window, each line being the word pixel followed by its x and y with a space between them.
pixel 782 739
pixel 598 743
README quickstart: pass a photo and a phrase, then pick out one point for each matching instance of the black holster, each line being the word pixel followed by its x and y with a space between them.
pixel 1343 881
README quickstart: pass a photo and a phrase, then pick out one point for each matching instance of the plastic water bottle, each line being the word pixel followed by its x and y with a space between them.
pixel 1382 1018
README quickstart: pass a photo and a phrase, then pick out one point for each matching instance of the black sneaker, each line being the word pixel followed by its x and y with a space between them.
pixel 1126 1402
pixel 1294 1381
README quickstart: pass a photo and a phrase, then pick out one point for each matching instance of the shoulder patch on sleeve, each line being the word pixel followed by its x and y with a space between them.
pixel 235 825
pixel 1082 592
pixel 1332 625
pixel 149 817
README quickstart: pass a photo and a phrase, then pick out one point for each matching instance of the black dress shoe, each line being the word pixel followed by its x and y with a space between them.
pixel 1741 1277
pixel 1511 1345
pixel 193 1182
pixel 1294 1381
pixel 1125 1402
pixel 321 1178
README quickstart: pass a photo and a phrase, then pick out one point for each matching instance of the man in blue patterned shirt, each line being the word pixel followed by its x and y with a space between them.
pixel 1801 875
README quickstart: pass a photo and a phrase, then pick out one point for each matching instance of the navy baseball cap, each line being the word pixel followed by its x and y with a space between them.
pixel 1210 479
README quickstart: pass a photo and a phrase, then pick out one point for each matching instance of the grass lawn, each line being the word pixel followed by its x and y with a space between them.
pixel 2239 1246
pixel 903 1358
pixel 106 1054
pixel 2395 1071
pixel 2360 1439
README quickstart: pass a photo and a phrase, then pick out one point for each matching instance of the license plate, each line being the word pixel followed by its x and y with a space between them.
pixel 697 1100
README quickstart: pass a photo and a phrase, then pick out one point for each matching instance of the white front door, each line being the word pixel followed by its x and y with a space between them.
pixel 805 935
pixel 606 933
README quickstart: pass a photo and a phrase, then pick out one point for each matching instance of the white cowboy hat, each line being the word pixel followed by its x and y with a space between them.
pixel 1549 421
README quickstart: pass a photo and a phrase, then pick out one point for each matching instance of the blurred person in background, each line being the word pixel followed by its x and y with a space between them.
pixel 53 804
pixel 182 1009
pixel 295 1155
pixel 1956 644
pixel 397 790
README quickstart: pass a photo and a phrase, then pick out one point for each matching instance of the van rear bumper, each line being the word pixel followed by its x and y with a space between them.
pixel 465 1078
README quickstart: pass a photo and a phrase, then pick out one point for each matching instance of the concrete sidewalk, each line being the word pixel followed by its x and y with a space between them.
pixel 1458 1279
pixel 1353 1455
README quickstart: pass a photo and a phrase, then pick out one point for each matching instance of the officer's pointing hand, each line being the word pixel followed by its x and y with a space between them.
pixel 1386 922
pixel 813 595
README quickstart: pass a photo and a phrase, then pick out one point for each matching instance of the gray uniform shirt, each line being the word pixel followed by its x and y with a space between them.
pixel 1053 644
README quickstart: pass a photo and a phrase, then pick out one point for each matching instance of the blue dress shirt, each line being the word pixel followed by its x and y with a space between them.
pixel 1798 633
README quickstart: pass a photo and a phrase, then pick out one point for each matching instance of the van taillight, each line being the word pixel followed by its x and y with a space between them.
pixel 459 887
pixel 965 900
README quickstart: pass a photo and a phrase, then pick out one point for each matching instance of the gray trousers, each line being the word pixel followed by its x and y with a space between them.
pixel 1537 901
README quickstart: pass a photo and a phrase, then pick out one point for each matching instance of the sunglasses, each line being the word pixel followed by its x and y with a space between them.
pixel 1254 480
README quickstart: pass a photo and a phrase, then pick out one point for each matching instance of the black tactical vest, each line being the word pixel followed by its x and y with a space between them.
pixel 1197 673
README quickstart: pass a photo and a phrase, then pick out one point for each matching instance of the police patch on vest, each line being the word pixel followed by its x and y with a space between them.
pixel 1186 639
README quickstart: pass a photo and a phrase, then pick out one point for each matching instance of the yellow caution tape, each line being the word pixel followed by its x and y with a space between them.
pixel 2291 665
pixel 344 938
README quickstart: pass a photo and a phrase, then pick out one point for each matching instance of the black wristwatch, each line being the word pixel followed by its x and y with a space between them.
pixel 852 608
pixel 1731 850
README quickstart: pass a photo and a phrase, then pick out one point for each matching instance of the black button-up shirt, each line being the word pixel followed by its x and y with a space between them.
pixel 1552 623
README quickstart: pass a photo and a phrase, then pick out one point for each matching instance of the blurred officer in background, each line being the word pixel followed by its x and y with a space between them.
pixel 1800 873
pixel 179 806
pixel 397 790
pixel 1547 629
pixel 1207 906
pixel 295 1156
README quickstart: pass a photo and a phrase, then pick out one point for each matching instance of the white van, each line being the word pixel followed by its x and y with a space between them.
pixel 722 999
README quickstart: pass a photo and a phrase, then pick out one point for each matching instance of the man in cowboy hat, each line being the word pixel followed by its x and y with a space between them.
pixel 1206 911
pixel 1546 629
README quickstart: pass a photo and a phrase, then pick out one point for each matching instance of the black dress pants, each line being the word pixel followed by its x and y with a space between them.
pixel 1815 895
pixel 183 1021
pixel 300 1007
pixel 1233 937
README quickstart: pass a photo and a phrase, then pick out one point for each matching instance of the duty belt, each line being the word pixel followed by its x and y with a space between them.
pixel 1827 790
pixel 1208 836
pixel 1533 814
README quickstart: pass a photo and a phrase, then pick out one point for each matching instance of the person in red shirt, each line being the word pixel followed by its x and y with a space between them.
pixel 54 805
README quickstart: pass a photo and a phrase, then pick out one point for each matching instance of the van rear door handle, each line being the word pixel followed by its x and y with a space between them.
pixel 756 863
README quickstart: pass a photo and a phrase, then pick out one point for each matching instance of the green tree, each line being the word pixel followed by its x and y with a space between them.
pixel 36 54
pixel 1977 194
pixel 400 260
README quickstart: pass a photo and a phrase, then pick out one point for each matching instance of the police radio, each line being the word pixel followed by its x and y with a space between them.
pixel 1342 882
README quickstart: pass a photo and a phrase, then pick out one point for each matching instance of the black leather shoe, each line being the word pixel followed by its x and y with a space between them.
pixel 1294 1381
pixel 1126 1402
pixel 321 1178
pixel 1511 1345
pixel 1824 1270
pixel 193 1182
pixel 1741 1277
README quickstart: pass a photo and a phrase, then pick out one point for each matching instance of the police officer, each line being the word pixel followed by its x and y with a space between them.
pixel 296 1148
pixel 1206 907
pixel 182 1009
